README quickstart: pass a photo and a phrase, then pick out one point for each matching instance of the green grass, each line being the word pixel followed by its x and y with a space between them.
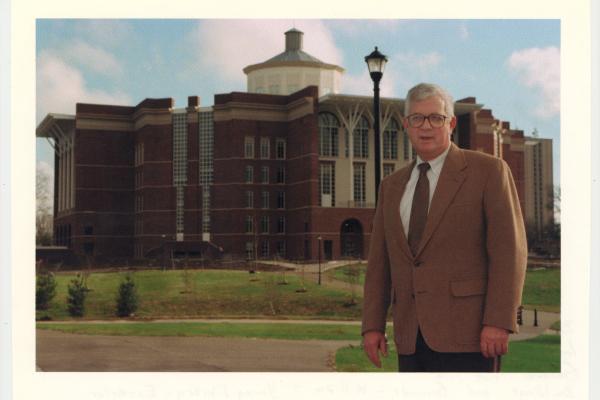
pixel 540 354
pixel 291 331
pixel 542 290
pixel 342 273
pixel 213 293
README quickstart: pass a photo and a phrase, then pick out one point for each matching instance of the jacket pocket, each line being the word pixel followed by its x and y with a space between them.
pixel 468 297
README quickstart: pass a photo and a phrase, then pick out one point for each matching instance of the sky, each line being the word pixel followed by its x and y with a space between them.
pixel 511 66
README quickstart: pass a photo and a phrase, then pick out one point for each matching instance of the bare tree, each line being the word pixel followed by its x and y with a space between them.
pixel 44 200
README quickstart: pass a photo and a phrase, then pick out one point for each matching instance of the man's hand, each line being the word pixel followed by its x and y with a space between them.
pixel 375 342
pixel 493 341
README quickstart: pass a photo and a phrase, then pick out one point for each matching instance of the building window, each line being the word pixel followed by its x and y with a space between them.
pixel 249 224
pixel 249 199
pixel 327 184
pixel 179 148
pixel 281 224
pixel 280 149
pixel 249 174
pixel 264 224
pixel 139 154
pixel 88 230
pixel 361 139
pixel 281 248
pixel 273 89
pixel 249 147
pixel 280 199
pixel 388 169
pixel 179 211
pixel 390 141
pixel 328 135
pixel 265 199
pixel 405 146
pixel 265 147
pixel 280 175
pixel 264 174
pixel 249 250
pixel 264 248
pixel 359 185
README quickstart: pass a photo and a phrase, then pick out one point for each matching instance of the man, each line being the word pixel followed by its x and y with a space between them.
pixel 448 250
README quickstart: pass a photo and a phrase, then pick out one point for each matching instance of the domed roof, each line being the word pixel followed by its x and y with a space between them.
pixel 293 55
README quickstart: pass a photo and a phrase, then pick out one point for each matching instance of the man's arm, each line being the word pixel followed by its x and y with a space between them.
pixel 507 260
pixel 377 289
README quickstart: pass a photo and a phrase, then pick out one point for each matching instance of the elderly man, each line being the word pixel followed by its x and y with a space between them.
pixel 448 250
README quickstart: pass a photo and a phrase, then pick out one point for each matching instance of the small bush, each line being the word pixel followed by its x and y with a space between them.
pixel 77 292
pixel 45 290
pixel 127 300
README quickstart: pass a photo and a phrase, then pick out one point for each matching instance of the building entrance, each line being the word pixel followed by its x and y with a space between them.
pixel 351 238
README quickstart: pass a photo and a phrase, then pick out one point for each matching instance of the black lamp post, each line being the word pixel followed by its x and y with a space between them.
pixel 376 63
pixel 319 239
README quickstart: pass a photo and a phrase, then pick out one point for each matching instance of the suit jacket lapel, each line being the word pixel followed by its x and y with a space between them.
pixel 451 178
pixel 397 188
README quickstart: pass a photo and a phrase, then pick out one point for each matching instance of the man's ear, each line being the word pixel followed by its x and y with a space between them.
pixel 405 123
pixel 453 122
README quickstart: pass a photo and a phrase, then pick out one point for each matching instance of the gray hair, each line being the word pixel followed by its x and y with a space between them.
pixel 425 90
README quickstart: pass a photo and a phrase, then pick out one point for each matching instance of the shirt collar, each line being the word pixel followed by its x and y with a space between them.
pixel 437 163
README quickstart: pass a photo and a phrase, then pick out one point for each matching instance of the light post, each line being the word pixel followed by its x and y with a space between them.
pixel 376 63
pixel 319 239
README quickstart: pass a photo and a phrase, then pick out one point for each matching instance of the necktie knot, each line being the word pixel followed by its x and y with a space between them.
pixel 423 168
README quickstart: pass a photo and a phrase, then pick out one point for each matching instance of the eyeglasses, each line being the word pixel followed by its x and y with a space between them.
pixel 435 120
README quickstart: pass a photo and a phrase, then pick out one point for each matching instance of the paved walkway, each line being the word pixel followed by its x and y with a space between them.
pixel 57 351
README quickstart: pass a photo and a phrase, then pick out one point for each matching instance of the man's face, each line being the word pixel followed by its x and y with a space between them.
pixel 428 141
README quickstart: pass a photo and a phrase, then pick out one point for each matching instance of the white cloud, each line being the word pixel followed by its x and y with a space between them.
pixel 539 69
pixel 362 84
pixel 106 31
pixel 94 58
pixel 409 69
pixel 60 86
pixel 225 47
pixel 419 64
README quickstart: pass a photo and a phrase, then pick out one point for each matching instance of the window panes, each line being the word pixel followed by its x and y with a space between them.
pixel 328 135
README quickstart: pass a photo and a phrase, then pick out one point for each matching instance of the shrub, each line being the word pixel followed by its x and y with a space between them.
pixel 77 292
pixel 45 290
pixel 127 300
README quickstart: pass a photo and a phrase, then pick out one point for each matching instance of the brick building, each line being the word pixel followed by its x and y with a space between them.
pixel 276 171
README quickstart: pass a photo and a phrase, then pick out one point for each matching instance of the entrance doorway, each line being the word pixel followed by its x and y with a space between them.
pixel 351 235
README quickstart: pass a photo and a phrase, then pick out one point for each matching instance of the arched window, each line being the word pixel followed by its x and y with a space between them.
pixel 361 138
pixel 328 135
pixel 390 141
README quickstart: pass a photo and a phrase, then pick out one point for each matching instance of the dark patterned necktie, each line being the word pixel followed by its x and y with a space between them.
pixel 418 212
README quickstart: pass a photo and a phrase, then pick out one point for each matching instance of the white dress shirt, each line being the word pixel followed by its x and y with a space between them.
pixel 433 175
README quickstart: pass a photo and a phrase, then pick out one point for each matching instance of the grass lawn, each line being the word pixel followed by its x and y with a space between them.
pixel 540 354
pixel 344 273
pixel 291 331
pixel 542 290
pixel 203 293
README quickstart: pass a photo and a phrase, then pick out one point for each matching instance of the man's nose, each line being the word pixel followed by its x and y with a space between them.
pixel 426 124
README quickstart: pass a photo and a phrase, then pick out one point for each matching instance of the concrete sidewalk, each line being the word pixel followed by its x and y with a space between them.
pixel 64 352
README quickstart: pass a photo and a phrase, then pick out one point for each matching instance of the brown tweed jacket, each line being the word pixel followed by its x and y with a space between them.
pixel 470 266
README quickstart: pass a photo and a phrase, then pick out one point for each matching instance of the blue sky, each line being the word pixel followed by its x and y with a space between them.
pixel 511 66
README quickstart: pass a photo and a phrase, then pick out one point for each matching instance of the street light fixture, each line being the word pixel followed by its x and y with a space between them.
pixel 376 63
